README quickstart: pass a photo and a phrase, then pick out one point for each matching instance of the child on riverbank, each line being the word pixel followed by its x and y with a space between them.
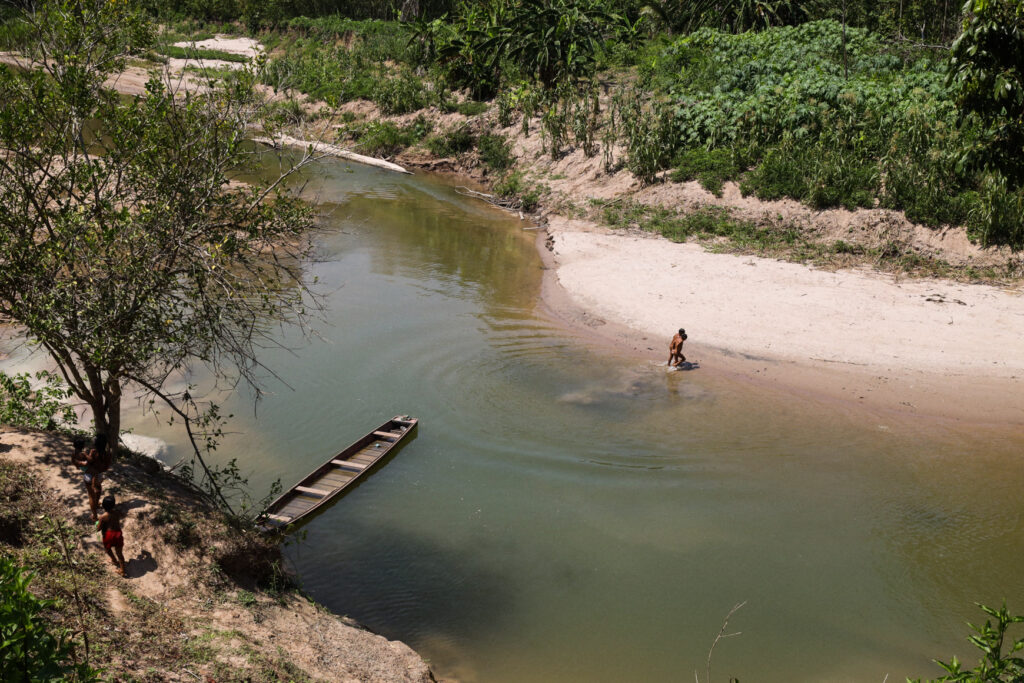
pixel 109 524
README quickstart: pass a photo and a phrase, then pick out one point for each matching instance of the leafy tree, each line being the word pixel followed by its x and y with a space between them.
pixel 29 650
pixel 556 40
pixel 987 74
pixel 125 251
pixel 736 16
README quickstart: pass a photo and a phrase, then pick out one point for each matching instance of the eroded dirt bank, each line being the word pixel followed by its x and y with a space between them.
pixel 189 608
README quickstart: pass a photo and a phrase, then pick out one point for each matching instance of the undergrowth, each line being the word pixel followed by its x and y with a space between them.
pixel 719 230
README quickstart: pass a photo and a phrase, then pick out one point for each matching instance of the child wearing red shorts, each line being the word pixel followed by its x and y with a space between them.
pixel 109 524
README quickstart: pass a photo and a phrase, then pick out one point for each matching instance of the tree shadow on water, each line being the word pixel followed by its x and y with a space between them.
pixel 402 585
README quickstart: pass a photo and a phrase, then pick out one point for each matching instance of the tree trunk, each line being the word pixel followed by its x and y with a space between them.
pixel 410 10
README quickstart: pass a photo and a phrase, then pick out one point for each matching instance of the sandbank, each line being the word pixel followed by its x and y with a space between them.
pixel 924 347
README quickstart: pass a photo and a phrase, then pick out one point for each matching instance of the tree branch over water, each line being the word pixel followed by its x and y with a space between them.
pixel 128 249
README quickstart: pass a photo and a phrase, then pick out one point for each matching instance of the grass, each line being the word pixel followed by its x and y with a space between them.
pixel 720 231
pixel 194 53
pixel 456 140
pixel 385 138
pixel 515 186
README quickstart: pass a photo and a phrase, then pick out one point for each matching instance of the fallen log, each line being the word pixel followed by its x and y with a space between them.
pixel 332 150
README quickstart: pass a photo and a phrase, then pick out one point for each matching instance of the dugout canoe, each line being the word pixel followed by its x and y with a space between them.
pixel 340 472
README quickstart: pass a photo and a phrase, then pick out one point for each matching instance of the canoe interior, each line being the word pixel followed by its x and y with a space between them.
pixel 339 473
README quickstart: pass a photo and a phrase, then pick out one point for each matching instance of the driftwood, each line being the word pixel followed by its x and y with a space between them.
pixel 331 150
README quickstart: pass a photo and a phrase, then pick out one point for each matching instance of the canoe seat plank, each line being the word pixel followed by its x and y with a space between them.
pixel 348 463
pixel 333 477
pixel 312 491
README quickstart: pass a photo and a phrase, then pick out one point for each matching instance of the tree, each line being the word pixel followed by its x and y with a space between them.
pixel 125 250
pixel 557 40
pixel 987 76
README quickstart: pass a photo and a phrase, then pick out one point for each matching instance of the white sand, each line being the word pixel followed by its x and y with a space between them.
pixel 788 311
pixel 235 45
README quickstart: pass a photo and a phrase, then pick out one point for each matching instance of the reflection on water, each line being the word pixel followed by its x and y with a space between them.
pixel 566 514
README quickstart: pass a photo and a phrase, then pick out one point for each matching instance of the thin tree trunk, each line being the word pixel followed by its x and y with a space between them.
pixel 846 68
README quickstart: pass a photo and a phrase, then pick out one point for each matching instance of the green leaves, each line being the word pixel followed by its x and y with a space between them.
pixel 29 649
pixel 35 405
pixel 998 663
pixel 987 77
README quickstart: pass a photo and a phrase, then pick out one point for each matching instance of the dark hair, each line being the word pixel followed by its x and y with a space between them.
pixel 79 443
pixel 100 443
pixel 682 331
pixel 108 503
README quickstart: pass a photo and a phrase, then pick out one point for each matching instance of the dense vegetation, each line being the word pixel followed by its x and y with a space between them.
pixel 783 97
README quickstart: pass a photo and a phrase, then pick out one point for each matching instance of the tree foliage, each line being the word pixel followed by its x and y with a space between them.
pixel 554 40
pixel 35 405
pixel 987 74
pixel 125 250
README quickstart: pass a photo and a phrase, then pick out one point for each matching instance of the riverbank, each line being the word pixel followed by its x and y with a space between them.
pixel 925 347
pixel 198 601
pixel 852 312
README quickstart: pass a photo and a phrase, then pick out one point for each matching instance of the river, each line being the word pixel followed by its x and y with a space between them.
pixel 570 513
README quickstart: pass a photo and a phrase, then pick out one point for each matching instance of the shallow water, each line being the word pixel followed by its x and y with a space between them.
pixel 569 514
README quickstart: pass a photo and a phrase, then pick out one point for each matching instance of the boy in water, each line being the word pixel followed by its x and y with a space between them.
pixel 675 349
pixel 109 525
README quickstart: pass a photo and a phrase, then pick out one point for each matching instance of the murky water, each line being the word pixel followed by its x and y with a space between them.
pixel 567 514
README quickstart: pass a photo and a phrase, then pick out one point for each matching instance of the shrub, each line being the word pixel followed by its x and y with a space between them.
pixel 384 138
pixel 998 662
pixel 471 108
pixel 495 152
pixel 710 167
pixel 455 140
pixel 399 95
pixel 780 174
pixel 514 186
pixel 29 649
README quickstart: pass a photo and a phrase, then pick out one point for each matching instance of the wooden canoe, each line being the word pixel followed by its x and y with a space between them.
pixel 339 473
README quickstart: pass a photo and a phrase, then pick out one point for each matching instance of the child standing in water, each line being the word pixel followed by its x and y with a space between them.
pixel 109 524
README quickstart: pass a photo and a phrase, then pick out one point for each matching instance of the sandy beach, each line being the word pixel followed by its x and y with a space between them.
pixel 922 346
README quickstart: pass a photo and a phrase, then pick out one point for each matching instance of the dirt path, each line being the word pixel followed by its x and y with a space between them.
pixel 225 626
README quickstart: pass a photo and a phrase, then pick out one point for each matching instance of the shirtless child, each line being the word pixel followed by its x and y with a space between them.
pixel 675 349
pixel 109 525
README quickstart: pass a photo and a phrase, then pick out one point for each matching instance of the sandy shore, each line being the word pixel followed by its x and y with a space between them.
pixel 925 347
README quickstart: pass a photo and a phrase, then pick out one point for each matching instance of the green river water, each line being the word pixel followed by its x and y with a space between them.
pixel 566 513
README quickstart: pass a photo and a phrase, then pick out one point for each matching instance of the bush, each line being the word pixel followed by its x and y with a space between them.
pixel 399 95
pixel 996 664
pixel 471 108
pixel 455 140
pixel 514 186
pixel 710 167
pixel 384 138
pixel 780 174
pixel 495 152
pixel 29 649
